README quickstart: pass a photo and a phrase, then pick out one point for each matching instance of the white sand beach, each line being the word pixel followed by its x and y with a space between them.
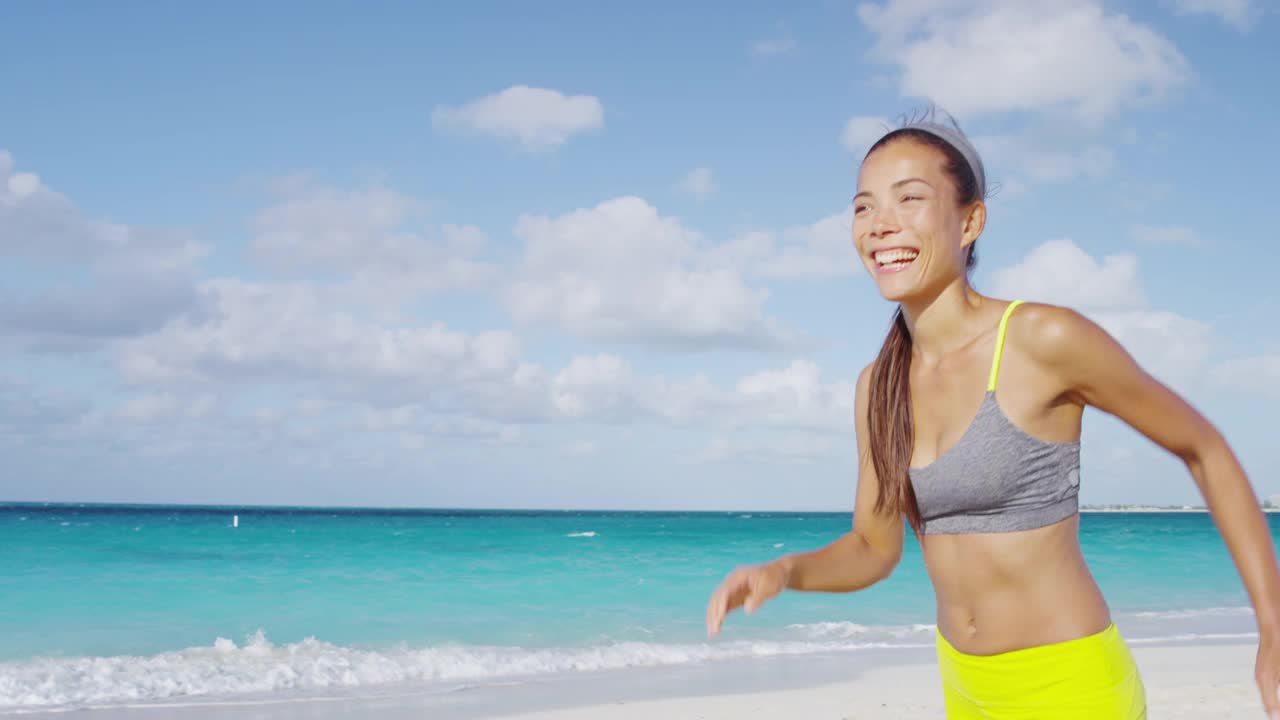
pixel 1198 682
pixel 1183 682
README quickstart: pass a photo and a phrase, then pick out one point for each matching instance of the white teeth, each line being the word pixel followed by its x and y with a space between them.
pixel 888 257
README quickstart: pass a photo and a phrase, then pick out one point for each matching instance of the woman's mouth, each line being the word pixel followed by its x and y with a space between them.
pixel 894 259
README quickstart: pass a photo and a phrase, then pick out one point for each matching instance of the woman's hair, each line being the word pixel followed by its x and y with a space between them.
pixel 892 433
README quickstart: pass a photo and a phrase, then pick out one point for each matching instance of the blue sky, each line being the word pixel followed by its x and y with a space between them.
pixel 584 256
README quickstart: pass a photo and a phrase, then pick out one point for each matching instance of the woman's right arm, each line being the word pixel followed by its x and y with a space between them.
pixel 857 559
pixel 870 551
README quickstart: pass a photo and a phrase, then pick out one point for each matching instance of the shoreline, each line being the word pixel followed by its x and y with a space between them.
pixel 1184 679
pixel 1157 510
pixel 249 508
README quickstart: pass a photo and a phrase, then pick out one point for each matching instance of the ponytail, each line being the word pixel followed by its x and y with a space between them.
pixel 892 434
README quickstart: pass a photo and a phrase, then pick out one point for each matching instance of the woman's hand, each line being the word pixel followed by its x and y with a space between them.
pixel 1267 672
pixel 748 586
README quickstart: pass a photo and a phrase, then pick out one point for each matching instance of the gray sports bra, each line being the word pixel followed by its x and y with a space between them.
pixel 997 478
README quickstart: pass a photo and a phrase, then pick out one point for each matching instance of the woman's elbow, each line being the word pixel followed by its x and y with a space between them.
pixel 885 559
pixel 1205 450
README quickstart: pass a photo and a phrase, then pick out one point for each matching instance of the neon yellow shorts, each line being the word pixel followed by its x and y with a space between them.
pixel 1091 677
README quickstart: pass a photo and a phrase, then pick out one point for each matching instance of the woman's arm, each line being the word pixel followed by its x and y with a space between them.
pixel 848 564
pixel 868 553
pixel 1097 371
pixel 857 559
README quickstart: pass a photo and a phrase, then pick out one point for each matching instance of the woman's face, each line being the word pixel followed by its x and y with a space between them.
pixel 908 230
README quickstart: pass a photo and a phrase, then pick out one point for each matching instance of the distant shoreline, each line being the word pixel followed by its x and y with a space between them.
pixel 1154 509
pixel 409 509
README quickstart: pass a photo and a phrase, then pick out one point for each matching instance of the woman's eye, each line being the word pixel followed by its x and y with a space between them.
pixel 859 208
pixel 912 197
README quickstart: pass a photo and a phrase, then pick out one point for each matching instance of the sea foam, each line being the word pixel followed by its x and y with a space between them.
pixel 259 666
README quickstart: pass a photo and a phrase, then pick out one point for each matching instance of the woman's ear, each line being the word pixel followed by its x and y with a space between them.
pixel 974 222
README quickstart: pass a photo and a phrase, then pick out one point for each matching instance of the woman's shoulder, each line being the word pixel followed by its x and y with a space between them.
pixel 1052 333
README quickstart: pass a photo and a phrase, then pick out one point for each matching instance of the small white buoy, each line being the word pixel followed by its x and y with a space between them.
pixel 235 521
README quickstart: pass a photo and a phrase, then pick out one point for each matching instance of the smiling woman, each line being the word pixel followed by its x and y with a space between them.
pixel 968 425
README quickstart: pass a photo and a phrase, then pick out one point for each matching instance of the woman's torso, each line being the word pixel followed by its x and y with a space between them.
pixel 1005 590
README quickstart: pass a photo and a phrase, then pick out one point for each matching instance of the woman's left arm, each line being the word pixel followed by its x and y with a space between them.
pixel 1097 371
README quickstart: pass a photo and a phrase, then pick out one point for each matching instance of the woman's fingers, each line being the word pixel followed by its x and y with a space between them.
pixel 754 597
pixel 746 587
pixel 714 612
pixel 728 596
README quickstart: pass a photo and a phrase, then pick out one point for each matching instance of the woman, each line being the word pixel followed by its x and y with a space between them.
pixel 988 480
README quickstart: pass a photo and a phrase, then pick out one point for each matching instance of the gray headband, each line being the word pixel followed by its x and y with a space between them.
pixel 957 140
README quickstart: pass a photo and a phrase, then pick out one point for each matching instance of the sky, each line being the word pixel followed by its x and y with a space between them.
pixel 591 255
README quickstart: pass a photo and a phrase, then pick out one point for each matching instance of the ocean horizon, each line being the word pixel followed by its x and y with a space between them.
pixel 111 604
pixel 231 507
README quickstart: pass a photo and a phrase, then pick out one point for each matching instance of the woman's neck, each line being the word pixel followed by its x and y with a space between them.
pixel 946 322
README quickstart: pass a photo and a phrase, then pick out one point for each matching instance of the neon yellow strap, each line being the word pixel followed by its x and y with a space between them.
pixel 995 361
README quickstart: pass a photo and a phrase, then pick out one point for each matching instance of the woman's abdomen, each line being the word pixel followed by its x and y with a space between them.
pixel 1010 591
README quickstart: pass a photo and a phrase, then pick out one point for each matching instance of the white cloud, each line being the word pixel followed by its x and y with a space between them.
pixel 787 448
pixel 1060 272
pixel 22 185
pixel 1172 347
pixel 291 331
pixel 861 131
pixel 396 417
pixel 472 428
pixel 621 271
pixel 31 416
pixel 539 118
pixel 600 386
pixel 1239 14
pixel 84 316
pixel 429 379
pixel 1053 74
pixel 823 249
pixel 774 46
pixel 416 426
pixel 1042 159
pixel 39 223
pixel 375 235
pixel 408 379
pixel 698 182
pixel 320 376
pixel 166 406
pixel 1253 375
pixel 110 279
pixel 997 56
pixel 1165 235
pixel 618 270
pixel 795 396
pixel 326 227
pixel 1051 165
pixel 580 449
pixel 1142 196
pixel 1094 161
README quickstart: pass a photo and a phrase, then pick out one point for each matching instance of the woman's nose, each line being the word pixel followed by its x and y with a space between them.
pixel 884 222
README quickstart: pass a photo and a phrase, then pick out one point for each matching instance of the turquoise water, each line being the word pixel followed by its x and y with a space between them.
pixel 106 604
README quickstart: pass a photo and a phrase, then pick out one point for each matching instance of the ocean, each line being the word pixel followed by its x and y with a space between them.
pixel 106 605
